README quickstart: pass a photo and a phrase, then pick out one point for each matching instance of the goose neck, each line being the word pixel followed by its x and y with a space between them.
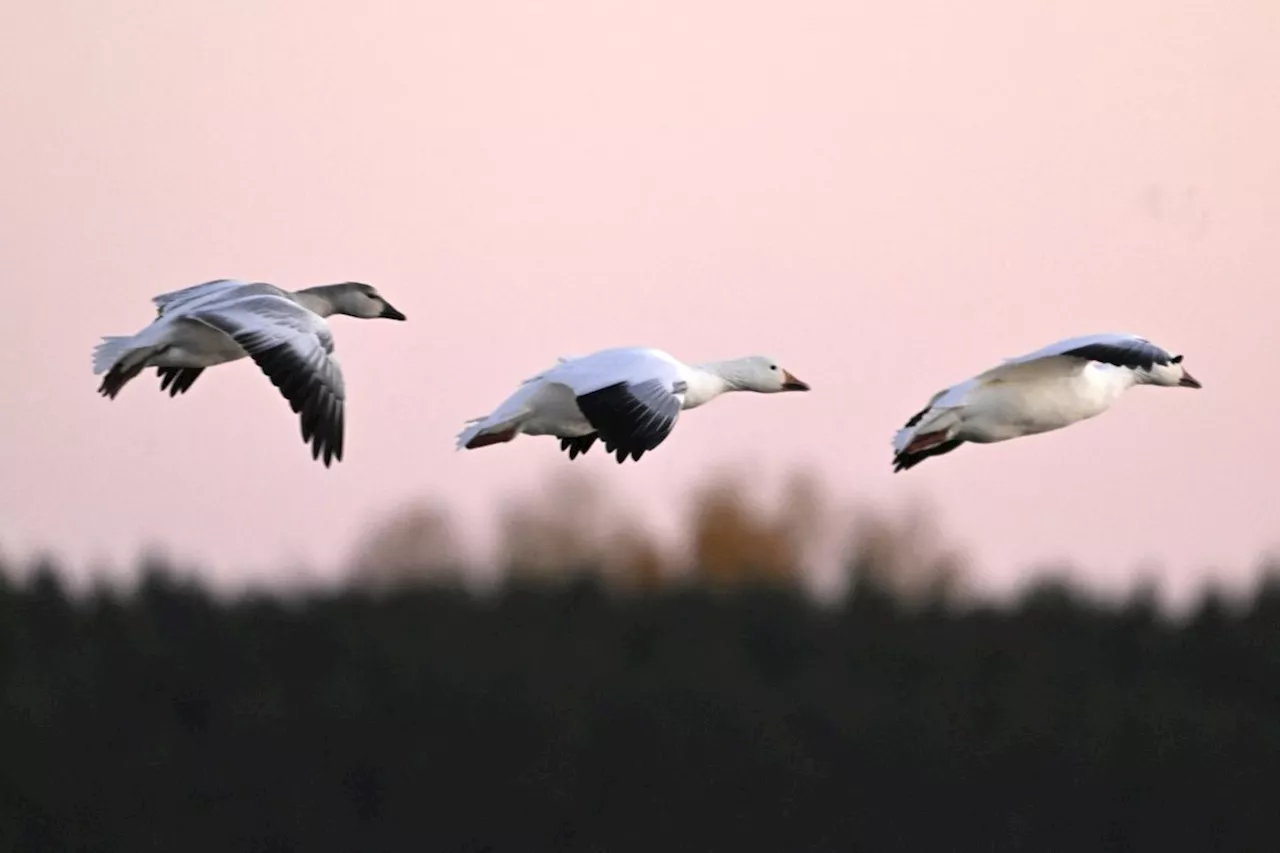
pixel 705 383
pixel 315 300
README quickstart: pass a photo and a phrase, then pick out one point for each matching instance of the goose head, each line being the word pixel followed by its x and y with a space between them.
pixel 356 299
pixel 761 374
pixel 1171 375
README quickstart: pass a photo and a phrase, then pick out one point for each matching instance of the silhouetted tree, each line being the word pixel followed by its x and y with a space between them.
pixel 733 542
pixel 905 556
pixel 569 717
pixel 416 544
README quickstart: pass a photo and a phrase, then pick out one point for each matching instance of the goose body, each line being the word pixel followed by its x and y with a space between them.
pixel 284 332
pixel 1056 386
pixel 629 397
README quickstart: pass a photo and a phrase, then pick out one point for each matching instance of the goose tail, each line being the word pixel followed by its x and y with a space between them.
pixel 930 433
pixel 122 359
pixel 469 431
pixel 483 432
pixel 109 352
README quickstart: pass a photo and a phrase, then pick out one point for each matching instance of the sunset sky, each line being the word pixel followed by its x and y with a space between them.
pixel 886 197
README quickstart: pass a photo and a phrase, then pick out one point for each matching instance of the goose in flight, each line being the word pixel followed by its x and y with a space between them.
pixel 629 398
pixel 283 331
pixel 1048 389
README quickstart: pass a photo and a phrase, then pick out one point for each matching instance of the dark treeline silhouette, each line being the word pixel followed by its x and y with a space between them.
pixel 570 716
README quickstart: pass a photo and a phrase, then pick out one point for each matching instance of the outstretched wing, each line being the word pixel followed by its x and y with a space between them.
pixel 294 347
pixel 1121 350
pixel 632 417
pixel 222 286
pixel 1072 354
pixel 631 396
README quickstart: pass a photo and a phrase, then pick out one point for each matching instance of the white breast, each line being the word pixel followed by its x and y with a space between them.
pixel 998 411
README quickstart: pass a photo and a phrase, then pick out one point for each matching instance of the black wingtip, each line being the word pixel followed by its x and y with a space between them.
pixel 1137 355
pixel 177 380
pixel 578 445
pixel 627 426
pixel 319 410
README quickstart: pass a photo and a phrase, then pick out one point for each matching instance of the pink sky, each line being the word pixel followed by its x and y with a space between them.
pixel 885 196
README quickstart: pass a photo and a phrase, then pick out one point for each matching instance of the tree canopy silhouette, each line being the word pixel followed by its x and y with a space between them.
pixel 575 717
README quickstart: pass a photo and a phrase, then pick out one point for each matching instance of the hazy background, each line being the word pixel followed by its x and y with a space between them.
pixel 886 197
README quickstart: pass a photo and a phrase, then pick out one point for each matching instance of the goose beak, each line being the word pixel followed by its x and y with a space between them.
pixel 790 383
pixel 1188 381
pixel 391 313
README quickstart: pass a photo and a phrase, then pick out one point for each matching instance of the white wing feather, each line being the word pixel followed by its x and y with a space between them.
pixel 166 302
pixel 632 365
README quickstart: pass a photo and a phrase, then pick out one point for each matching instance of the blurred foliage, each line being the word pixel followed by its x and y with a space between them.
pixel 417 543
pixel 730 538
pixel 575 716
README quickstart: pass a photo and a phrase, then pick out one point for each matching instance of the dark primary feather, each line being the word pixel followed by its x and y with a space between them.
pixel 1134 353
pixel 575 447
pixel 308 395
pixel 178 379
pixel 631 418
pixel 299 366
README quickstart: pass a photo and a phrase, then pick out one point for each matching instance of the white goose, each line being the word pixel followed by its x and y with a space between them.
pixel 1048 389
pixel 630 397
pixel 284 332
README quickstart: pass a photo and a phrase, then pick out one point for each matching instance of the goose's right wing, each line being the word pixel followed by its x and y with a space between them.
pixel 294 347
pixel 219 287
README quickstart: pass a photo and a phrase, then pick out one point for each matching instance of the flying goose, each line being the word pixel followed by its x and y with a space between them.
pixel 1048 389
pixel 628 397
pixel 283 331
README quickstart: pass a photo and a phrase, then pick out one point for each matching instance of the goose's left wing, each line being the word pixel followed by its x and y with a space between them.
pixel 1120 350
pixel 632 417
pixel 632 398
pixel 294 347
